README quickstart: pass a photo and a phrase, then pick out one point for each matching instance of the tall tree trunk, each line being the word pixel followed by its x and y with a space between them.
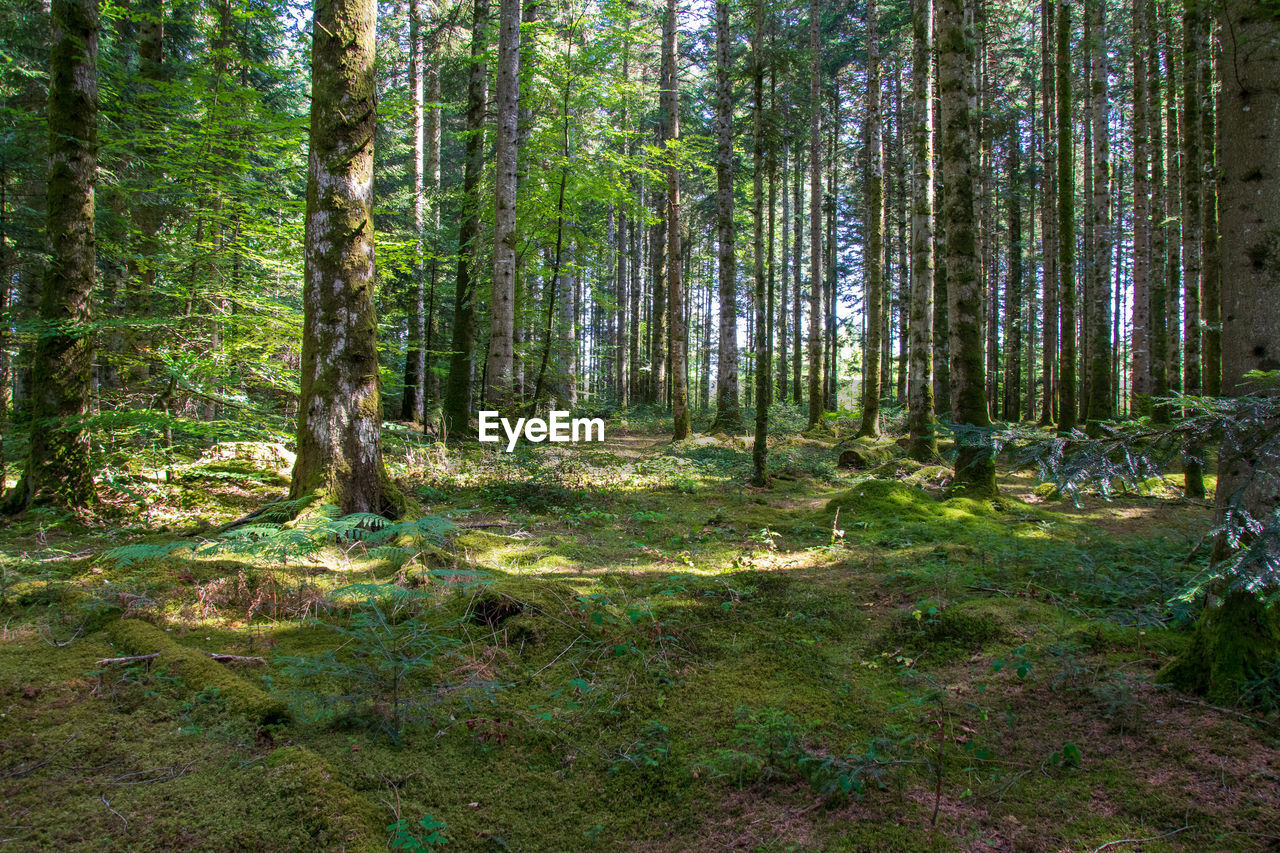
pixel 920 419
pixel 413 403
pixel 457 400
pixel 784 363
pixel 975 464
pixel 1158 289
pixel 1101 407
pixel 875 255
pixel 1235 641
pixel 1066 224
pixel 1049 221
pixel 58 471
pixel 1210 266
pixel 797 391
pixel 815 220
pixel 1013 290
pixel 941 324
pixel 340 412
pixel 1173 204
pixel 763 371
pixel 1192 223
pixel 501 363
pixel 675 256
pixel 728 415
pixel 1140 364
pixel 431 380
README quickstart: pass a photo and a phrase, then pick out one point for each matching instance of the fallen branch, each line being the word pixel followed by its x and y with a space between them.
pixel 1117 843
pixel 220 658
pixel 129 659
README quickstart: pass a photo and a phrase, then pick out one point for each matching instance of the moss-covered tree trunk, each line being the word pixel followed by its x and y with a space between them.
pixel 340 412
pixel 675 251
pixel 58 470
pixel 500 372
pixel 728 412
pixel 920 420
pixel 1236 641
pixel 874 260
pixel 457 394
pixel 975 466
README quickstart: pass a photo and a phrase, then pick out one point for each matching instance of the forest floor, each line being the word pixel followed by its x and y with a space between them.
pixel 615 647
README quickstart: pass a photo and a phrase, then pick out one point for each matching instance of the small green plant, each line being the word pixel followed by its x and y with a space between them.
pixel 426 836
pixel 374 673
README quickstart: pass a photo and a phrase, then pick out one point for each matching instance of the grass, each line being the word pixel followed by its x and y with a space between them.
pixel 630 648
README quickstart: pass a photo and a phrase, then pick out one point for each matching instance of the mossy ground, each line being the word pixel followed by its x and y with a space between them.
pixel 658 657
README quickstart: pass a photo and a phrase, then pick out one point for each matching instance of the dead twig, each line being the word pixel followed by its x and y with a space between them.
pixel 107 803
pixel 1120 841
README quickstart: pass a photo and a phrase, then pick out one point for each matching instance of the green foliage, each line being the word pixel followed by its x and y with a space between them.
pixel 379 672
pixel 426 836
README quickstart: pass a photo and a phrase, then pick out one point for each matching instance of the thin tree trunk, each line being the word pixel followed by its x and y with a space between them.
pixel 1101 407
pixel 501 362
pixel 728 414
pixel 1192 223
pixel 1049 221
pixel 763 371
pixel 675 257
pixel 875 255
pixel 920 421
pixel 457 402
pixel 815 222
pixel 412 403
pixel 1140 366
pixel 1067 390
pixel 1013 290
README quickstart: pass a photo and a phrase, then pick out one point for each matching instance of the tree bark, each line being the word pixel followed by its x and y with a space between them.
pixel 675 256
pixel 501 364
pixel 815 221
pixel 875 255
pixel 728 414
pixel 1067 391
pixel 763 370
pixel 413 401
pixel 920 420
pixel 457 400
pixel 1140 363
pixel 58 471
pixel 1101 406
pixel 1235 641
pixel 340 413
pixel 975 464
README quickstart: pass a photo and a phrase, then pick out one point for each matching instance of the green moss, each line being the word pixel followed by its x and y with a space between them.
pixel 1233 645
pixel 335 816
pixel 863 453
pixel 197 670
